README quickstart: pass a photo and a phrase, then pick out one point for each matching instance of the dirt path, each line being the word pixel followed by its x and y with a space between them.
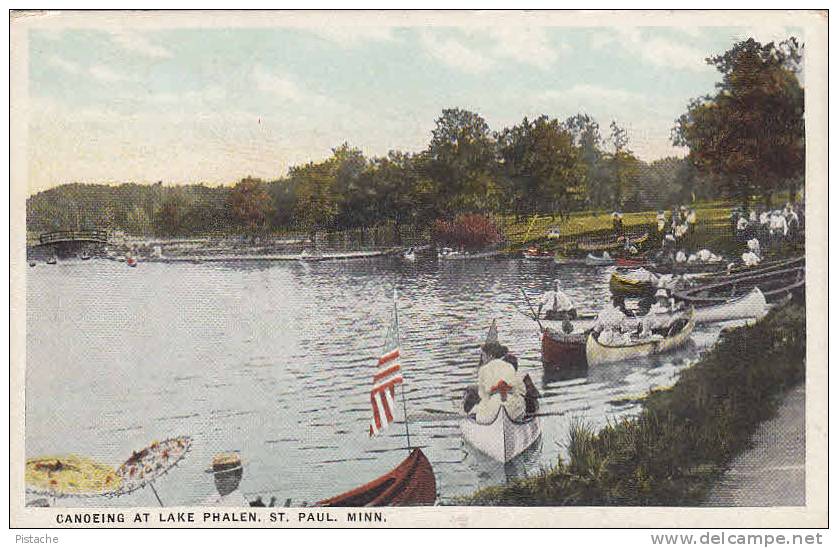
pixel 772 473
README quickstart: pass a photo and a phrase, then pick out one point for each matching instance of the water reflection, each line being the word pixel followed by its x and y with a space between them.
pixel 275 360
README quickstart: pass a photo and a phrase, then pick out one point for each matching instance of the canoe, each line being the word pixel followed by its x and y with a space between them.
pixel 625 286
pixel 503 439
pixel 634 263
pixel 774 284
pixel 411 483
pixel 457 256
pixel 593 260
pixel 689 268
pixel 538 255
pixel 750 305
pixel 612 243
pixel 598 353
pixel 559 350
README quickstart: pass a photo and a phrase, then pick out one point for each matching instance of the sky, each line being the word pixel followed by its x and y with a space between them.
pixel 214 105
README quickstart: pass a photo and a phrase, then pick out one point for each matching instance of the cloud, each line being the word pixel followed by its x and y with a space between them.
pixel 277 85
pixel 283 87
pixel 528 45
pixel 455 54
pixel 766 34
pixel 137 43
pixel 653 50
pixel 353 36
pixel 478 50
pixel 593 92
pixel 63 64
pixel 106 74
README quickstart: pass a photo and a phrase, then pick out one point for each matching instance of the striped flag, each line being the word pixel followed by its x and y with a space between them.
pixel 387 376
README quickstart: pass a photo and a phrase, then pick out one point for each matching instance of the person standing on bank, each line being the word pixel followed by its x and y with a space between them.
pixel 227 471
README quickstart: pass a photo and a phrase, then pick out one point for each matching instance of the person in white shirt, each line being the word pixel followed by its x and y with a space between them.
pixel 680 257
pixel 611 317
pixel 764 218
pixel 752 217
pixel 750 258
pixel 742 224
pixel 558 305
pixel 753 245
pixel 661 220
pixel 777 225
pixel 227 472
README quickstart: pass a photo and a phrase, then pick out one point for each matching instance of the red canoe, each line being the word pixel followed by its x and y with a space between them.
pixel 559 350
pixel 411 483
pixel 621 261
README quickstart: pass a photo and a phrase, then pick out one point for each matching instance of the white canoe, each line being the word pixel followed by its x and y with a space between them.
pixel 593 260
pixel 503 439
pixel 598 353
pixel 752 305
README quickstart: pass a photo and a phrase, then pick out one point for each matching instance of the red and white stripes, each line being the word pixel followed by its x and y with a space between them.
pixel 382 396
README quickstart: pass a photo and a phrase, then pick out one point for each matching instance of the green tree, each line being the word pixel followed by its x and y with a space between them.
pixel 250 204
pixel 751 132
pixel 624 163
pixel 595 183
pixel 541 164
pixel 461 159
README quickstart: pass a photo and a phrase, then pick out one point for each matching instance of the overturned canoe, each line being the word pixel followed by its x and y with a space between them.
pixel 504 438
pixel 598 353
pixel 774 285
pixel 612 243
pixel 411 483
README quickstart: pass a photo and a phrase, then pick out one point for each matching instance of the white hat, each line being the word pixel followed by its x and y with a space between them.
pixel 661 293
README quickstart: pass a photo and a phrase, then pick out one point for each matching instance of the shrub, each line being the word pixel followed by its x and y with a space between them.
pixel 469 231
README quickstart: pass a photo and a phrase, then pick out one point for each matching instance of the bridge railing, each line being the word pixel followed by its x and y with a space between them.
pixel 74 235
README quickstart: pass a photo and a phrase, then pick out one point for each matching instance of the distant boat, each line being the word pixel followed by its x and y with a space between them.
pixel 410 255
pixel 535 254
pixel 52 260
pixel 604 260
pixel 85 256
pixel 131 261
pixel 32 263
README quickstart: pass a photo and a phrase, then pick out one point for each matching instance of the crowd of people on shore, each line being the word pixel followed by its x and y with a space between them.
pixel 763 224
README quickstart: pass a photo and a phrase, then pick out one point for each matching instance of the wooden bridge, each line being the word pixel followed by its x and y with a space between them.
pixel 67 236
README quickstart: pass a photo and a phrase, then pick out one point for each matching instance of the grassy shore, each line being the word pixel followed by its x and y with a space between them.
pixel 684 437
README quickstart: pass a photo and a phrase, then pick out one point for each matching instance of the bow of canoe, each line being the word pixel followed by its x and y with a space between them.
pixel 411 483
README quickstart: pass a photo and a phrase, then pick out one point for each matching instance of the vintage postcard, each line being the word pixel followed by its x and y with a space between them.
pixel 418 269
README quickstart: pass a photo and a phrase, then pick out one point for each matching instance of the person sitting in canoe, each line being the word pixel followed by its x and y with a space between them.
pixel 558 305
pixel 499 384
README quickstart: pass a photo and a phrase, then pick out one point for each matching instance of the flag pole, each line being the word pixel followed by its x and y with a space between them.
pixel 399 344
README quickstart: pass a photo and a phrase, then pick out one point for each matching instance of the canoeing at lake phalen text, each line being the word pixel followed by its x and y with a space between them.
pixel 220 517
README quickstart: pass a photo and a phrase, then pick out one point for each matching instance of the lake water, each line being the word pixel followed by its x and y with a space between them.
pixel 275 360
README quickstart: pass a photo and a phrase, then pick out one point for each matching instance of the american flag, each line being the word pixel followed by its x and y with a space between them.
pixel 387 376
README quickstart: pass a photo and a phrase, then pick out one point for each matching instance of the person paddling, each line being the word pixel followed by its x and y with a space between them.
pixel 558 305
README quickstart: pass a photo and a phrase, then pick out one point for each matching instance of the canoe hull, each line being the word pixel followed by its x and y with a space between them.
pixel 775 285
pixel 626 287
pixel 411 483
pixel 560 351
pixel 598 354
pixel 503 439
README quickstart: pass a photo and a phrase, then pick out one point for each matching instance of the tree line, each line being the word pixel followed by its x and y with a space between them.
pixel 746 140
